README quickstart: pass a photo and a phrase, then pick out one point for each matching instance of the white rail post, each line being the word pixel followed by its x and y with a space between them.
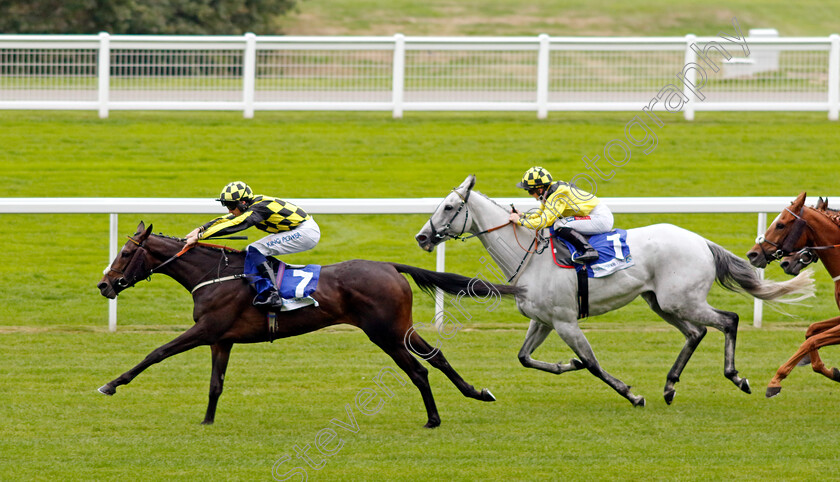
pixel 112 253
pixel 543 59
pixel 758 305
pixel 249 75
pixel 440 266
pixel 104 73
pixel 398 80
pixel 834 77
pixel 690 76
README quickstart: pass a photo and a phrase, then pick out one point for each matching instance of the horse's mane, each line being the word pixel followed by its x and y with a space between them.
pixel 200 245
pixel 832 214
pixel 489 199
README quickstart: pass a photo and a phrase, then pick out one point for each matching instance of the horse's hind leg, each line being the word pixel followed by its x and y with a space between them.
pixel 191 338
pixel 700 313
pixel 537 333
pixel 693 336
pixel 416 372
pixel 419 346
pixel 220 353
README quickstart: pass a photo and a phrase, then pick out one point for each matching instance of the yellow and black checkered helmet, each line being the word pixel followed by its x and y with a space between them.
pixel 237 191
pixel 534 178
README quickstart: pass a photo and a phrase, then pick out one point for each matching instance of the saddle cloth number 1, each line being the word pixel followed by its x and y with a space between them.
pixel 616 240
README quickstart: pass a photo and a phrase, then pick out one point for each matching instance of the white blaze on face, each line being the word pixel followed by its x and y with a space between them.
pixel 107 268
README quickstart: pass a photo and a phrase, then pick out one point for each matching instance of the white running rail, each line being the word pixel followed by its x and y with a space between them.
pixel 397 73
pixel 116 206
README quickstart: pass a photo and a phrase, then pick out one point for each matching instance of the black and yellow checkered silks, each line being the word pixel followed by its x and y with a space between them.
pixel 535 177
pixel 236 191
pixel 265 213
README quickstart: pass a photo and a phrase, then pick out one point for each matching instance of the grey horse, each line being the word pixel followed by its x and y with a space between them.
pixel 674 270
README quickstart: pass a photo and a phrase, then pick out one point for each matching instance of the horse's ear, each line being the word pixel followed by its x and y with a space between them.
pixel 468 183
pixel 140 228
pixel 147 232
pixel 800 200
pixel 821 204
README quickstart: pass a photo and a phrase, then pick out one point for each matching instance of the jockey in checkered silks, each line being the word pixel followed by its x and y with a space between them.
pixel 570 210
pixel 292 231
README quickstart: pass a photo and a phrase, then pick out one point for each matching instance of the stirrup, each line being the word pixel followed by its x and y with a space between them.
pixel 587 256
pixel 273 301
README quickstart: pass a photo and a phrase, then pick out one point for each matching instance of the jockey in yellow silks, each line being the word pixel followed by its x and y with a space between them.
pixel 571 211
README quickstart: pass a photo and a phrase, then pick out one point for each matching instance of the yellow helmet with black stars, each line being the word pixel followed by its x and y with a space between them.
pixel 535 177
pixel 236 192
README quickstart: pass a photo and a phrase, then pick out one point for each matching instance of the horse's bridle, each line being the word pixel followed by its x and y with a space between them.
pixel 125 284
pixel 442 234
pixel 786 247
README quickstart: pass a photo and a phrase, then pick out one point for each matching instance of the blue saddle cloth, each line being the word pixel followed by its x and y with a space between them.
pixel 295 281
pixel 613 253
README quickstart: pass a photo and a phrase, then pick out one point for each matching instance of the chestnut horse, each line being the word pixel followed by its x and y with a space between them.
pixel 370 295
pixel 797 237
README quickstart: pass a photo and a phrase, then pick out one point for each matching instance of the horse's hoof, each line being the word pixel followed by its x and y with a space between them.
pixel 836 375
pixel 772 391
pixel 107 390
pixel 577 363
pixel 639 402
pixel 745 386
pixel 669 396
pixel 207 422
pixel 486 396
pixel 432 424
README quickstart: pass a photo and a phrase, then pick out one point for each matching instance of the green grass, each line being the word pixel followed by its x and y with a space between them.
pixel 543 427
pixel 57 350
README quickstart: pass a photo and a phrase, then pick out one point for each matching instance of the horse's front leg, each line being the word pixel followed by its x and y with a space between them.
pixel 220 353
pixel 195 336
pixel 571 333
pixel 537 333
pixel 811 345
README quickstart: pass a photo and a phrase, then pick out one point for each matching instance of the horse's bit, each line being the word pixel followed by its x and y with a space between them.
pixel 786 247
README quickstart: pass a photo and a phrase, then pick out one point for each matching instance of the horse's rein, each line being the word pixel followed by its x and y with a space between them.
pixel 152 271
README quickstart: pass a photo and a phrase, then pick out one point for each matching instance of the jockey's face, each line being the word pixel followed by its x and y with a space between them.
pixel 536 192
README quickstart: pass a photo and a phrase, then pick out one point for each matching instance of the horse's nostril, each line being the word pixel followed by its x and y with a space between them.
pixel 784 264
pixel 421 238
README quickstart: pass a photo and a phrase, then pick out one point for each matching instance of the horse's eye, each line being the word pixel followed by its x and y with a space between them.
pixel 447 208
pixel 780 226
pixel 125 254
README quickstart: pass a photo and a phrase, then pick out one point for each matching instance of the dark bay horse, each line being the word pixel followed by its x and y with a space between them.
pixel 370 295
pixel 797 237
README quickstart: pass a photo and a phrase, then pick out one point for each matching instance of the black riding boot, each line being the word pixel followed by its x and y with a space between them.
pixel 273 301
pixel 585 251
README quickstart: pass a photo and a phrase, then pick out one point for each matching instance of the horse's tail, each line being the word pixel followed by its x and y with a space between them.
pixel 735 274
pixel 454 283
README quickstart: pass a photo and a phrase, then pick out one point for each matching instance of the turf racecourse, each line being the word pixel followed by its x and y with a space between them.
pixel 56 349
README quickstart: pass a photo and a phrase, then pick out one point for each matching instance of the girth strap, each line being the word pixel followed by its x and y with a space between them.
pixel 218 280
pixel 583 293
